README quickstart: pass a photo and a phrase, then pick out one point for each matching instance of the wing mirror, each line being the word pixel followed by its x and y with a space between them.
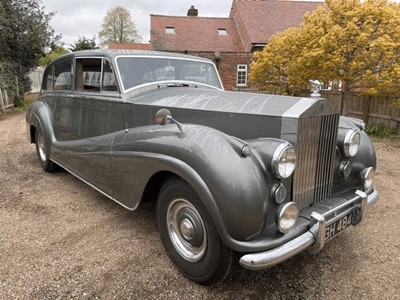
pixel 164 117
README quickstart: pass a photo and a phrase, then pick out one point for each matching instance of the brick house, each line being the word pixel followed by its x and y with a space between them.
pixel 229 42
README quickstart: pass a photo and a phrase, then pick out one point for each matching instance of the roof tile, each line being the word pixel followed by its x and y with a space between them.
pixel 194 34
pixel 258 20
pixel 250 22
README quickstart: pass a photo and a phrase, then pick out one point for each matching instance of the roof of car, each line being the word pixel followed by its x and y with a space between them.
pixel 112 53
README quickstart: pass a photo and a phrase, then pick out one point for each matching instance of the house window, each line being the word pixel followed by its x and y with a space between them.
pixel 222 31
pixel 170 30
pixel 241 75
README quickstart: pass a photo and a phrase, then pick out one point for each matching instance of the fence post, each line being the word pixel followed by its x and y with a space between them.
pixel 341 104
pixel 16 86
pixel 6 99
pixel 2 104
pixel 366 109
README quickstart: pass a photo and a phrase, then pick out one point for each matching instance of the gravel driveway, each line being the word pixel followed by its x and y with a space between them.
pixel 60 239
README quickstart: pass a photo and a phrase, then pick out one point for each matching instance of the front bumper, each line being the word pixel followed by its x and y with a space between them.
pixel 314 238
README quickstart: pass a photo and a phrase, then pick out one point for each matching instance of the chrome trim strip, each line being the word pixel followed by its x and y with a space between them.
pixel 314 237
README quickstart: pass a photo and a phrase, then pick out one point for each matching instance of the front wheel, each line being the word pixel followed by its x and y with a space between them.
pixel 42 153
pixel 189 236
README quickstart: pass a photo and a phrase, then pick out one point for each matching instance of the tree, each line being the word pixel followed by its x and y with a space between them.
pixel 84 43
pixel 271 67
pixel 354 41
pixel 118 27
pixel 55 53
pixel 25 35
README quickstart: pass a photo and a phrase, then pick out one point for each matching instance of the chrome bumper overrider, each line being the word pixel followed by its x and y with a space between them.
pixel 314 238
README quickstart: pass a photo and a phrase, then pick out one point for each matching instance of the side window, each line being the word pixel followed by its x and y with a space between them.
pixel 109 84
pixel 94 75
pixel 241 78
pixel 48 79
pixel 62 75
pixel 88 74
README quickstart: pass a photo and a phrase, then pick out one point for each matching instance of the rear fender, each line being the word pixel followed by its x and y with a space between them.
pixel 39 117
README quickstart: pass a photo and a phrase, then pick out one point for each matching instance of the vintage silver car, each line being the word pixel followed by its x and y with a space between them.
pixel 262 176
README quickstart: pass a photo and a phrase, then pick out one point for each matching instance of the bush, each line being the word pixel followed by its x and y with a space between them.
pixel 23 103
pixel 380 130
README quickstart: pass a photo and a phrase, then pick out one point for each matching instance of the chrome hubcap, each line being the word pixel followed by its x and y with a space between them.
pixel 186 230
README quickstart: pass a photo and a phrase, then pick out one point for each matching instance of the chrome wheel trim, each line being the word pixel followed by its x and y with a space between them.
pixel 186 230
pixel 41 148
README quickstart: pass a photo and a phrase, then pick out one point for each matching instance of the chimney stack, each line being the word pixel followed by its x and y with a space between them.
pixel 192 12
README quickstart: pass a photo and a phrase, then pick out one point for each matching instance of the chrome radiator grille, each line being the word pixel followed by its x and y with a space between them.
pixel 316 146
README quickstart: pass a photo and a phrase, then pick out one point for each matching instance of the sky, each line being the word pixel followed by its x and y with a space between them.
pixel 75 18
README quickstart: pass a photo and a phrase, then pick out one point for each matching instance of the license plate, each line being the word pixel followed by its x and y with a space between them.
pixel 338 226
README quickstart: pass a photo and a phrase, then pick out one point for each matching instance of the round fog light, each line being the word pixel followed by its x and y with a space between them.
pixel 287 216
pixel 279 193
pixel 366 177
pixel 345 168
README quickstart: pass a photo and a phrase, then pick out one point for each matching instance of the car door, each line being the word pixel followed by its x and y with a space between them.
pixel 67 110
pixel 91 114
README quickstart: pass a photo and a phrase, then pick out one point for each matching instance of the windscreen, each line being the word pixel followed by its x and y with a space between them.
pixel 136 71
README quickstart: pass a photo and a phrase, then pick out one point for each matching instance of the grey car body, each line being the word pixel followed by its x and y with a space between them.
pixel 96 118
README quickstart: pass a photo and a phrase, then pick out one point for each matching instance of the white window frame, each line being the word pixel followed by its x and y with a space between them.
pixel 241 68
pixel 222 32
pixel 170 30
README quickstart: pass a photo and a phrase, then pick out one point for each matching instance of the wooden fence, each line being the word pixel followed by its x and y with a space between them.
pixel 4 100
pixel 36 77
pixel 371 110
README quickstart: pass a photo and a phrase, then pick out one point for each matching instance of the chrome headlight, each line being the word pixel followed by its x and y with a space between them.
pixel 286 216
pixel 283 161
pixel 351 143
pixel 366 177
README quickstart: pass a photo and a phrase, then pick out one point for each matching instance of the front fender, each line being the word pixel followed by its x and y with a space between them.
pixel 365 157
pixel 234 188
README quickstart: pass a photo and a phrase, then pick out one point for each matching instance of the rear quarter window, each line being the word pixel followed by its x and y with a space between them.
pixel 58 76
pixel 63 76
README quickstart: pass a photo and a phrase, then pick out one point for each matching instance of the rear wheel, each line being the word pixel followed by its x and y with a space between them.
pixel 189 236
pixel 42 153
